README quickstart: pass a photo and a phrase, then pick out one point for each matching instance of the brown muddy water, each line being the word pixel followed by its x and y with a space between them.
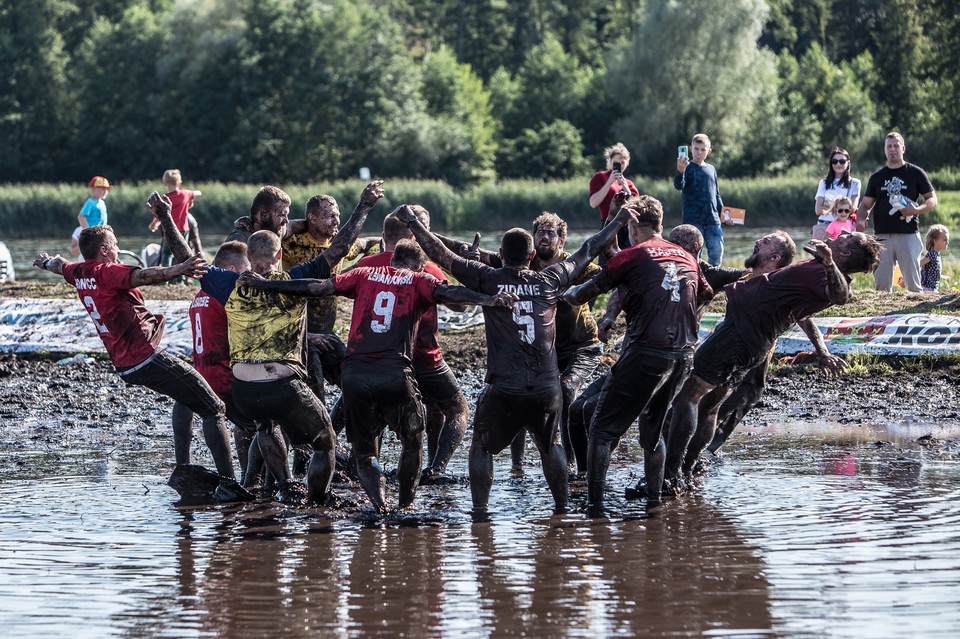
pixel 799 530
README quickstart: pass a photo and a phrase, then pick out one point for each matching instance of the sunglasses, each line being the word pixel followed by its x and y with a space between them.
pixel 840 161
pixel 843 210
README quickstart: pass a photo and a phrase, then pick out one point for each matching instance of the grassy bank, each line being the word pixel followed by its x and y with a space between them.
pixel 35 210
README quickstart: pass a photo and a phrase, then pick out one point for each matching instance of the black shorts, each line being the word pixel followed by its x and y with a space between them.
pixel 324 363
pixel 576 368
pixel 171 376
pixel 437 385
pixel 373 397
pixel 501 415
pixel 290 403
pixel 642 381
pixel 724 358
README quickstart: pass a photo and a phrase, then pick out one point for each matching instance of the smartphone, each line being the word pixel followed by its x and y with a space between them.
pixel 618 167
pixel 682 152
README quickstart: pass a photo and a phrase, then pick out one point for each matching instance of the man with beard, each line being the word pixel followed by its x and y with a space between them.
pixel 523 390
pixel 759 310
pixel 577 343
pixel 660 287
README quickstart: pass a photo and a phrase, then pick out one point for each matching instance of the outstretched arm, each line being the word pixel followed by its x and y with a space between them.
pixel 347 235
pixel 304 287
pixel 53 264
pixel 595 244
pixel 471 251
pixel 610 317
pixel 829 364
pixel 194 266
pixel 446 293
pixel 578 295
pixel 431 245
pixel 838 289
pixel 160 206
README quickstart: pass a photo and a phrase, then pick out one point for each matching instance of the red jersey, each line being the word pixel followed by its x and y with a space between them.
pixel 426 346
pixel 658 283
pixel 596 183
pixel 128 330
pixel 387 307
pixel 181 201
pixel 211 348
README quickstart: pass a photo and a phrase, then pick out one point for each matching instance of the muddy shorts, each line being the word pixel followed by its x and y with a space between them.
pixel 642 381
pixel 500 415
pixel 324 363
pixel 290 403
pixel 576 368
pixel 372 397
pixel 724 359
pixel 438 385
pixel 171 376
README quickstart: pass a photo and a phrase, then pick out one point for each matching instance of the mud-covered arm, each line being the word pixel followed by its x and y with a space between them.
pixel 348 233
pixel 472 251
pixel 193 266
pixel 295 227
pixel 304 287
pixel 578 295
pixel 596 243
pixel 54 263
pixel 605 325
pixel 431 245
pixel 830 364
pixel 160 206
pixel 446 293
pixel 838 288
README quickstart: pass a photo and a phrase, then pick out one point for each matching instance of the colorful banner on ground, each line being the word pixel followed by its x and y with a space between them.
pixel 63 326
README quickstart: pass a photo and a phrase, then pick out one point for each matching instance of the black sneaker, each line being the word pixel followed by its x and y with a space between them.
pixel 193 481
pixel 229 490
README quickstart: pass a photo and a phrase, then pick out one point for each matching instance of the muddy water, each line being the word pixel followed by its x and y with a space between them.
pixel 798 531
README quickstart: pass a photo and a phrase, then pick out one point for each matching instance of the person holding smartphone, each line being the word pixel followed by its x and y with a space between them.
pixel 604 185
pixel 700 195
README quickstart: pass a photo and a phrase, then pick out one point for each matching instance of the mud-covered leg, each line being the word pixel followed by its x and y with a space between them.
pixel 273 450
pixel 706 425
pixel 598 462
pixel 182 419
pixel 683 423
pixel 371 474
pixel 554 462
pixel 481 475
pixel 408 473
pixel 217 438
pixel 516 452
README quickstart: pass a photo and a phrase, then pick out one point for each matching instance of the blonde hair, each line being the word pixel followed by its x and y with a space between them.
pixel 934 233
pixel 616 149
pixel 840 200
pixel 172 177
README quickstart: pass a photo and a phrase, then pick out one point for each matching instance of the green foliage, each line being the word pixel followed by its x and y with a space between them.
pixel 553 151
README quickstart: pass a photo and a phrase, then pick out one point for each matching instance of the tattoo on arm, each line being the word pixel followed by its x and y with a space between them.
pixel 838 289
pixel 346 236
pixel 178 246
pixel 814 335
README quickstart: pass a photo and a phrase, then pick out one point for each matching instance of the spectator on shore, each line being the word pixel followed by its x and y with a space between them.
pixel 838 183
pixel 938 238
pixel 892 195
pixel 842 210
pixel 93 213
pixel 700 198
pixel 604 185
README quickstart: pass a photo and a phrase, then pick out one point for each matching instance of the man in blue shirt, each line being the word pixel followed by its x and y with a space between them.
pixel 700 196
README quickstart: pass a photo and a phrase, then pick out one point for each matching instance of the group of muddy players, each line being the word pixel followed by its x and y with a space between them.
pixel 264 345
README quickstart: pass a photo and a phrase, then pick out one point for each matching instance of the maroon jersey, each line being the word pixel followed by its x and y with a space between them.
pixel 181 201
pixel 129 331
pixel 426 346
pixel 211 348
pixel 763 307
pixel 520 342
pixel 388 303
pixel 658 283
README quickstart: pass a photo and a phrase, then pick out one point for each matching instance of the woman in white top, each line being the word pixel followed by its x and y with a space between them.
pixel 838 183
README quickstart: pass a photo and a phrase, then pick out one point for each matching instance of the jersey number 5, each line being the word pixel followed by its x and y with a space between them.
pixel 94 314
pixel 522 316
pixel 383 308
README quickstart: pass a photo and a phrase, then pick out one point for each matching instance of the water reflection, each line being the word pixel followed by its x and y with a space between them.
pixel 796 532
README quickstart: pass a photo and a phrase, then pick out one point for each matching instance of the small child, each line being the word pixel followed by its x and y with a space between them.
pixel 938 238
pixel 182 202
pixel 842 209
pixel 94 211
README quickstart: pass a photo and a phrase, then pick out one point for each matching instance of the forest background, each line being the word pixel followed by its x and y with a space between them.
pixel 484 110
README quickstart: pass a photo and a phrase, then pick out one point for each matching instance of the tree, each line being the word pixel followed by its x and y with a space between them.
pixel 692 66
pixel 551 151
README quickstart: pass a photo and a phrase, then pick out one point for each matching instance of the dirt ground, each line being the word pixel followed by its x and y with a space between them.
pixel 46 405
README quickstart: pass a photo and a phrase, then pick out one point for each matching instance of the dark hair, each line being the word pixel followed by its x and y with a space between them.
pixel 394 230
pixel 864 255
pixel 408 254
pixel 266 199
pixel 314 204
pixel 230 254
pixel 91 239
pixel 831 175
pixel 787 248
pixel 516 245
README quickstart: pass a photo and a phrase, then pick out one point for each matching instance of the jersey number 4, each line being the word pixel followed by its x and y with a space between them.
pixel 522 315
pixel 383 306
pixel 94 314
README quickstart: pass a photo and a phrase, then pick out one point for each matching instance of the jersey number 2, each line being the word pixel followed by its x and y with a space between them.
pixel 94 314
pixel 383 308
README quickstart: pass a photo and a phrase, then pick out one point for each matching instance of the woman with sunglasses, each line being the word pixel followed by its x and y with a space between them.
pixel 838 183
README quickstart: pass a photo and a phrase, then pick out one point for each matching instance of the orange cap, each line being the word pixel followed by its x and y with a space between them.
pixel 99 180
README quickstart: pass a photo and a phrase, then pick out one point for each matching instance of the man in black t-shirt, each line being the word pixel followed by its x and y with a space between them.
pixel 523 387
pixel 892 196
